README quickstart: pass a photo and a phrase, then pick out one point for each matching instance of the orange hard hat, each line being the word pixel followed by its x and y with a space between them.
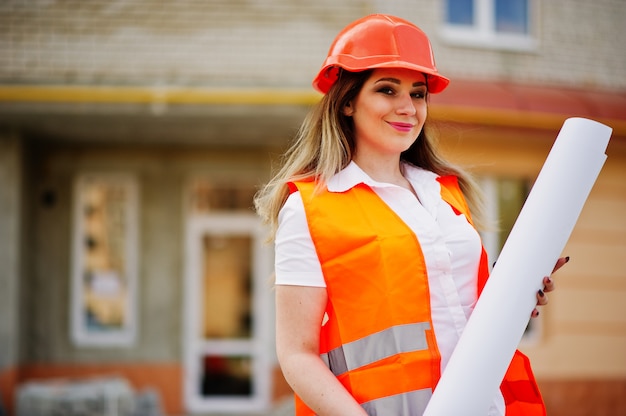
pixel 380 41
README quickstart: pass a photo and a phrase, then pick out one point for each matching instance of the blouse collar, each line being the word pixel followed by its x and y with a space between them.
pixel 424 183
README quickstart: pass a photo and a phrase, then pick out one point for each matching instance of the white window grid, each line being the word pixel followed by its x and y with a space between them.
pixel 483 33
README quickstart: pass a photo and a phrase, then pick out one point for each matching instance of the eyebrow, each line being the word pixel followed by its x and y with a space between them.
pixel 397 81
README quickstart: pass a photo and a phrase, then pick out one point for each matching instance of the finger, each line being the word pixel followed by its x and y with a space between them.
pixel 560 263
pixel 534 313
pixel 542 299
pixel 548 284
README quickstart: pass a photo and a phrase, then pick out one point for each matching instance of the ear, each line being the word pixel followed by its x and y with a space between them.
pixel 348 110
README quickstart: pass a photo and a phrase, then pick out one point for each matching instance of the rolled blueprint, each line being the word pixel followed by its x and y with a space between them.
pixel 477 366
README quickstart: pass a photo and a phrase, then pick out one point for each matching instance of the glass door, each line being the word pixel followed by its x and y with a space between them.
pixel 228 319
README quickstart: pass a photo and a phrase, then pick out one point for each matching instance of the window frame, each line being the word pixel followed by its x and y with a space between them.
pixel 483 33
pixel 80 334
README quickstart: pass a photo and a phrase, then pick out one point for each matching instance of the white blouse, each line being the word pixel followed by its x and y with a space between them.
pixel 451 248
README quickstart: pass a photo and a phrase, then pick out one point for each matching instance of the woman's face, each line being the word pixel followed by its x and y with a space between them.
pixel 389 112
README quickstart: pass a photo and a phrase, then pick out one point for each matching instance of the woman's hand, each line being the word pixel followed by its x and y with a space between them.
pixel 548 286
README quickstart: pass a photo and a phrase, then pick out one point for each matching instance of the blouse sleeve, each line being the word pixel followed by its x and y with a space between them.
pixel 296 261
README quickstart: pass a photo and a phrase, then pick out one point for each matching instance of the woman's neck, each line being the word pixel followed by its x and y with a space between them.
pixel 384 170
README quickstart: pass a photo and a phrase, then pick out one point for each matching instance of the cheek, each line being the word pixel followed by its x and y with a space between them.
pixel 422 111
pixel 366 115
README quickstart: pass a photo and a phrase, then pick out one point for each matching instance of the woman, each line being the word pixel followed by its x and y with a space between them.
pixel 378 263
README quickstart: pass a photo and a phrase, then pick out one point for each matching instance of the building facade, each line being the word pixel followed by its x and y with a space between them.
pixel 133 134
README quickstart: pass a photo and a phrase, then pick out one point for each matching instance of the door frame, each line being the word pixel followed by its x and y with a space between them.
pixel 260 345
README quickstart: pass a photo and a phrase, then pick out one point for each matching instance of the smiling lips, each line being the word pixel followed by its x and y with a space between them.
pixel 403 127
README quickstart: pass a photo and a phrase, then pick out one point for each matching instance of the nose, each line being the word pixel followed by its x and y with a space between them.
pixel 405 105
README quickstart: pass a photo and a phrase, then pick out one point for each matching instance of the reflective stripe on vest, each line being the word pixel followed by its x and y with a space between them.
pixel 375 347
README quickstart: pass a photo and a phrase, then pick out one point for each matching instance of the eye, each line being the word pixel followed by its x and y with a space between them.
pixel 420 95
pixel 386 90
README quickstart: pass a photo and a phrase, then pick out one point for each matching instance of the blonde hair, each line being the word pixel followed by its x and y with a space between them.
pixel 325 143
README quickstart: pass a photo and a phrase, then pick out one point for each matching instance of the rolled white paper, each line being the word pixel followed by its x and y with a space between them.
pixel 477 366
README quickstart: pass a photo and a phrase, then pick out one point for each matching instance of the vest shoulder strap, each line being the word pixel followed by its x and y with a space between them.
pixel 452 194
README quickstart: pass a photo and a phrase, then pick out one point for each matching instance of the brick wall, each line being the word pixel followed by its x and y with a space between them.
pixel 218 42
pixel 279 42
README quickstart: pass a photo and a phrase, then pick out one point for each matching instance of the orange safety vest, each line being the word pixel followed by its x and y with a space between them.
pixel 379 339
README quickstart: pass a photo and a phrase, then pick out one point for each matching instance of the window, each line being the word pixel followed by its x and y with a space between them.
pixel 511 16
pixel 228 319
pixel 460 12
pixel 505 198
pixel 501 24
pixel 104 268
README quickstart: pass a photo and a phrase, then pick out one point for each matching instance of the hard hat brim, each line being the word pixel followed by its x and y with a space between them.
pixel 327 76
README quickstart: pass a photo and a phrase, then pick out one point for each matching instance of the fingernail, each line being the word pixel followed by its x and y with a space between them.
pixel 566 259
pixel 541 294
